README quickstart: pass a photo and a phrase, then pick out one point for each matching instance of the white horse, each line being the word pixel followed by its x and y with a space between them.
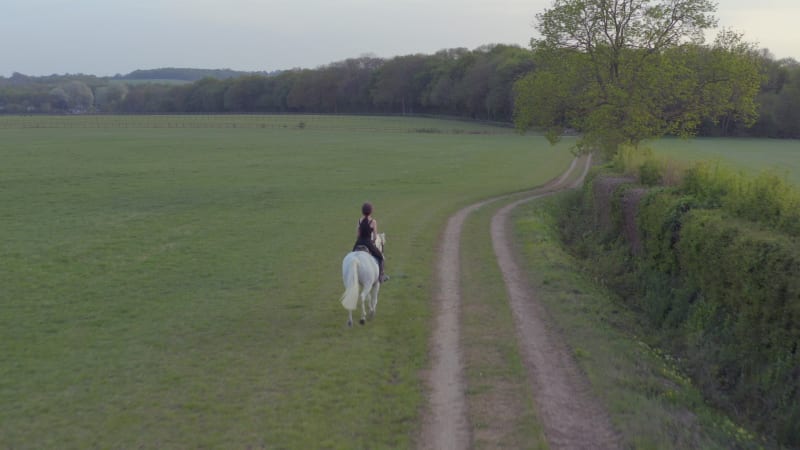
pixel 360 275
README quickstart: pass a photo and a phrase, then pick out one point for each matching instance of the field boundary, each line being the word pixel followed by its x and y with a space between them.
pixel 244 121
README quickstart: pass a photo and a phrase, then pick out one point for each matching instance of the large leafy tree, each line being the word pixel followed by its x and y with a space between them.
pixel 75 95
pixel 400 82
pixel 621 71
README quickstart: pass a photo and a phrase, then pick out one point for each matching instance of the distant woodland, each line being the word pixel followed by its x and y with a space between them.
pixel 476 84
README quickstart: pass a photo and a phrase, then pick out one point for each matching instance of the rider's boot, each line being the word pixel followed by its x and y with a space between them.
pixel 382 277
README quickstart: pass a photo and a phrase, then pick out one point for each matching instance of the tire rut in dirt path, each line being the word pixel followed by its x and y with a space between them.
pixel 571 417
pixel 445 424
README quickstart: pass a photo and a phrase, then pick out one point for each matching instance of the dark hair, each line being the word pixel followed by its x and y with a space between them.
pixel 366 208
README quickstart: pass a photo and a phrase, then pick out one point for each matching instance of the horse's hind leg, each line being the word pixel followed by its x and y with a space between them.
pixel 373 301
pixel 372 304
pixel 363 308
pixel 349 318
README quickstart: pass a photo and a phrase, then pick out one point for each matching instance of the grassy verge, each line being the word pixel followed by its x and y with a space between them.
pixel 650 401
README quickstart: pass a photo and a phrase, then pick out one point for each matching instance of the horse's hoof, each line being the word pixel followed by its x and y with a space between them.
pixel 362 321
pixel 350 323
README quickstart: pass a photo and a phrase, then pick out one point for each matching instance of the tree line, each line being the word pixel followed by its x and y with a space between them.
pixel 477 84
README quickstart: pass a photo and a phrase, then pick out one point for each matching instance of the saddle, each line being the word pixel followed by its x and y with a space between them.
pixel 364 248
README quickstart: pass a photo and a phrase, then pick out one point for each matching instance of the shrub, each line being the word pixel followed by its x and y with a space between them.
pixel 641 163
pixel 748 320
pixel 651 172
pixel 629 158
pixel 766 198
pixel 660 219
pixel 719 283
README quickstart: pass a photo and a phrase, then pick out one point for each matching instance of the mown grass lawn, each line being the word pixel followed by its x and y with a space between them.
pixel 178 287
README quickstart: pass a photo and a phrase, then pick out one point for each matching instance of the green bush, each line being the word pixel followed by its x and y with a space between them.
pixel 649 169
pixel 651 172
pixel 749 279
pixel 660 220
pixel 767 198
pixel 719 283
pixel 629 158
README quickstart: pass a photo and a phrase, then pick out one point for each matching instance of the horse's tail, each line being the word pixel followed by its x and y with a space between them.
pixel 350 297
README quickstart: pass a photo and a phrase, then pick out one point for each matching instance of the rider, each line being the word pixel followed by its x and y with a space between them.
pixel 366 231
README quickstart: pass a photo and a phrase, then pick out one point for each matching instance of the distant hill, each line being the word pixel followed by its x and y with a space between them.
pixel 184 74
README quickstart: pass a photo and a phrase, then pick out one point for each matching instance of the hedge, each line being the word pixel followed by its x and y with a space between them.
pixel 742 327
pixel 723 291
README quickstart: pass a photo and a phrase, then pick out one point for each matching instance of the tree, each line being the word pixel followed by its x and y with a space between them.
pixel 621 71
pixel 244 93
pixel 473 87
pixel 205 96
pixel 509 63
pixel 779 99
pixel 148 98
pixel 355 79
pixel 312 91
pixel 400 82
pixel 108 98
pixel 77 95
pixel 788 109
pixel 446 70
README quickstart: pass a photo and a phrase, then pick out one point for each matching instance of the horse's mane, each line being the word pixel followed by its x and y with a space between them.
pixel 380 242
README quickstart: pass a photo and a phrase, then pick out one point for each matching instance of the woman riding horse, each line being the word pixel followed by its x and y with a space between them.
pixel 366 231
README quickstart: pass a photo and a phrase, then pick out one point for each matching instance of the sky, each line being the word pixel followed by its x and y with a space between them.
pixel 108 37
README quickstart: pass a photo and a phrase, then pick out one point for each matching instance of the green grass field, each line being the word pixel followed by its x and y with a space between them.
pixel 750 155
pixel 173 282
pixel 177 286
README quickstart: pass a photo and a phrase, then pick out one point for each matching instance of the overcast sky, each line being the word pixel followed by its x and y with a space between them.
pixel 106 37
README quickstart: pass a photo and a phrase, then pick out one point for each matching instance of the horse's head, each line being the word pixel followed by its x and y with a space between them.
pixel 380 242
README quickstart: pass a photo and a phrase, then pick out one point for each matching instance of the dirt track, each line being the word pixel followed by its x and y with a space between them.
pixel 570 416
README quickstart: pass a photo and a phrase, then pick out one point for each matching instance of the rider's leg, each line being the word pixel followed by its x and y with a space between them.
pixel 382 276
pixel 379 257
